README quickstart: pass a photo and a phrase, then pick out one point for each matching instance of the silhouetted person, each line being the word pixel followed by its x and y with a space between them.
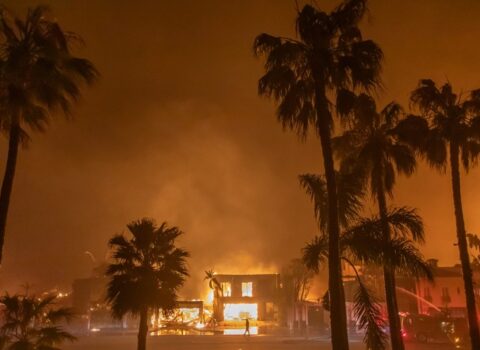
pixel 247 327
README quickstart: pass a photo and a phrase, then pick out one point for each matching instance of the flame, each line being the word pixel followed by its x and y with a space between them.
pixel 209 298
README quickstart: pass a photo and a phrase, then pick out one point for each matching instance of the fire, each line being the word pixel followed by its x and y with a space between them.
pixel 238 312
pixel 210 297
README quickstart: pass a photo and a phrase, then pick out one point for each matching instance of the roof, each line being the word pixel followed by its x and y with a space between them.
pixel 247 275
pixel 450 271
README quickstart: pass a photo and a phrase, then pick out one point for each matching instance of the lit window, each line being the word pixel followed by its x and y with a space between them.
pixel 227 289
pixel 239 312
pixel 247 289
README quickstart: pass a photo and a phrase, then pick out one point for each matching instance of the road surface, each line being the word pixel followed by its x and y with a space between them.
pixel 220 342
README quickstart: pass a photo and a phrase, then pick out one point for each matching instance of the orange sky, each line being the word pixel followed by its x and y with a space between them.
pixel 175 130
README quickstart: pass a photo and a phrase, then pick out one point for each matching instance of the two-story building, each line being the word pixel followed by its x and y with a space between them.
pixel 247 296
pixel 446 293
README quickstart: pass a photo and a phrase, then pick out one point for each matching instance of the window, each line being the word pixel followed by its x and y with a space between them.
pixel 226 289
pixel 239 312
pixel 446 296
pixel 247 289
pixel 426 294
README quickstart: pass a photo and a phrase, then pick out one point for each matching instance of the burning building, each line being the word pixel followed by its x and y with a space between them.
pixel 255 297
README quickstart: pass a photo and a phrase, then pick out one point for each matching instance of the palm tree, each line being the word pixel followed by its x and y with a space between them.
pixel 146 272
pixel 214 285
pixel 328 53
pixel 363 242
pixel 31 323
pixel 38 76
pixel 447 134
pixel 371 147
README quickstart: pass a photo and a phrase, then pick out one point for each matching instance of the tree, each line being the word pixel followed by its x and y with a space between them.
pixel 363 243
pixel 31 323
pixel 297 279
pixel 300 74
pixel 38 76
pixel 371 147
pixel 214 285
pixel 447 134
pixel 146 273
pixel 296 284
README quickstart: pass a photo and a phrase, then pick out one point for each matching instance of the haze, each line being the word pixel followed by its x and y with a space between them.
pixel 175 130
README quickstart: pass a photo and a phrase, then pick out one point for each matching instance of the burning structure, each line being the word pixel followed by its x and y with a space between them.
pixel 255 297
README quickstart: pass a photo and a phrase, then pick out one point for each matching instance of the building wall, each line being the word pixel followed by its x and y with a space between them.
pixel 435 293
pixel 265 293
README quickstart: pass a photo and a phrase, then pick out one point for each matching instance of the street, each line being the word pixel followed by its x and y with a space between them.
pixel 221 342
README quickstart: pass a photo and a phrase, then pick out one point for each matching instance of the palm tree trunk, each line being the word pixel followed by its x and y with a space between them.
pixel 389 274
pixel 338 313
pixel 7 184
pixel 143 330
pixel 463 247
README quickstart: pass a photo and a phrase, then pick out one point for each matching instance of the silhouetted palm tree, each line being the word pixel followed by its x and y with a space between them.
pixel 363 242
pixel 328 54
pixel 371 146
pixel 147 271
pixel 38 75
pixel 31 323
pixel 213 283
pixel 447 134
pixel 350 191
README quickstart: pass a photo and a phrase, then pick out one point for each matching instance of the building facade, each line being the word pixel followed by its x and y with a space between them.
pixel 254 297
pixel 446 293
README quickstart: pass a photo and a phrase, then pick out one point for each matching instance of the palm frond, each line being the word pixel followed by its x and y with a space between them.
pixel 349 194
pixel 406 258
pixel 368 313
pixel 315 253
pixel 407 223
pixel 147 270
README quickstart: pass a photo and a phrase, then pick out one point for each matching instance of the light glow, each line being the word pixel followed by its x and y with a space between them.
pixel 238 312
pixel 247 289
pixel 240 331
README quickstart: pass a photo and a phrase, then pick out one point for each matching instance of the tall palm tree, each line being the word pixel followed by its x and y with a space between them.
pixel 371 147
pixel 447 134
pixel 146 272
pixel 38 76
pixel 300 74
pixel 363 243
pixel 32 323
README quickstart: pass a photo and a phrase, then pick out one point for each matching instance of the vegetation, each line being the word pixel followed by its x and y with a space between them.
pixel 38 76
pixel 32 323
pixel 447 134
pixel 362 241
pixel 371 147
pixel 329 54
pixel 324 76
pixel 213 283
pixel 146 273
pixel 296 281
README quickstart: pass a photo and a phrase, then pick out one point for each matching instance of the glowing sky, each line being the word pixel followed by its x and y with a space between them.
pixel 175 130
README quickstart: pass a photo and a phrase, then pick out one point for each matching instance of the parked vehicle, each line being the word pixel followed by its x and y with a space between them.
pixel 428 328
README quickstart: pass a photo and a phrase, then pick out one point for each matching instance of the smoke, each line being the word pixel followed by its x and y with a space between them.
pixel 175 131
